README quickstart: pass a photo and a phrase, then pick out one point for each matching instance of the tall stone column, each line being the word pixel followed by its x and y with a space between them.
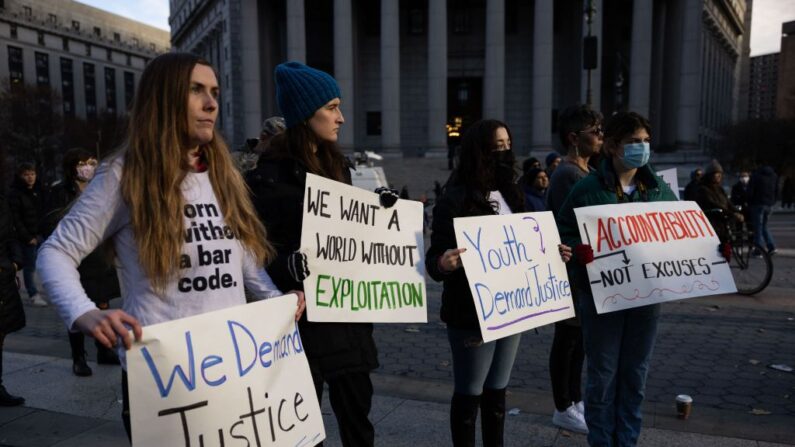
pixel 437 75
pixel 641 57
pixel 543 43
pixel 296 31
pixel 250 71
pixel 690 78
pixel 390 75
pixel 343 69
pixel 494 76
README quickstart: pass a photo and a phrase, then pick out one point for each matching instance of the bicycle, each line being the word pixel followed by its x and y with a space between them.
pixel 750 264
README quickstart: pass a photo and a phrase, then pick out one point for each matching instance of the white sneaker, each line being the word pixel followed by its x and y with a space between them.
pixel 580 406
pixel 37 301
pixel 570 420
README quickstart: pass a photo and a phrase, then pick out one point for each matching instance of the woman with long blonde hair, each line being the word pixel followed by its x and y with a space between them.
pixel 171 195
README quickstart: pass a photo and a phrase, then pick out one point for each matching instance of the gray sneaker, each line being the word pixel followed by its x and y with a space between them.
pixel 37 301
pixel 570 420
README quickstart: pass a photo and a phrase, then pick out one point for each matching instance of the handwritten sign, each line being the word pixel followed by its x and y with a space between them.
pixel 364 260
pixel 671 177
pixel 515 272
pixel 647 253
pixel 233 375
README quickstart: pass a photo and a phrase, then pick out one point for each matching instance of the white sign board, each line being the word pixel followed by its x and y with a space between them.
pixel 233 375
pixel 670 176
pixel 647 253
pixel 515 272
pixel 365 261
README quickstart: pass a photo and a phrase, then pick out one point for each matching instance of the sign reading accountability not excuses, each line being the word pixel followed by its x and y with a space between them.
pixel 365 261
pixel 234 375
pixel 515 272
pixel 647 253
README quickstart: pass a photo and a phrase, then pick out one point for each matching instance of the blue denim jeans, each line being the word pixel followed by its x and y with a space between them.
pixel 759 216
pixel 478 365
pixel 29 258
pixel 618 346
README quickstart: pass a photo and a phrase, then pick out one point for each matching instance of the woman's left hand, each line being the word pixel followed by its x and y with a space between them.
pixel 301 303
pixel 565 252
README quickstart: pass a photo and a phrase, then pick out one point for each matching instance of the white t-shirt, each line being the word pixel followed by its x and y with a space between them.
pixel 214 266
pixel 496 196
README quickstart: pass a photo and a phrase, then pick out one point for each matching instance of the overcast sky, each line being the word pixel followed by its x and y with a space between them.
pixel 768 15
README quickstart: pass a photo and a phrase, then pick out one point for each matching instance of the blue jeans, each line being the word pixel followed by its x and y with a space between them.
pixel 759 216
pixel 618 346
pixel 29 258
pixel 478 365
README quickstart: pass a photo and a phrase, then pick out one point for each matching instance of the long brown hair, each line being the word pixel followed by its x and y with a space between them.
pixel 155 166
pixel 298 142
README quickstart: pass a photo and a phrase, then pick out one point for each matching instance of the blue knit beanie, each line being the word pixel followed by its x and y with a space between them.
pixel 301 90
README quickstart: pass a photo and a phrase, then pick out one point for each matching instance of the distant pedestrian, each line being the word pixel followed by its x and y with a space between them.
pixel 483 184
pixel 711 197
pixel 26 201
pixel 582 136
pixel 690 189
pixel 531 163
pixel 740 194
pixel 12 313
pixel 97 276
pixel 552 161
pixel 764 194
pixel 788 192
pixel 534 185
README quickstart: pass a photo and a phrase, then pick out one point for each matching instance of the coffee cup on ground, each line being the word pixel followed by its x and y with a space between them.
pixel 684 404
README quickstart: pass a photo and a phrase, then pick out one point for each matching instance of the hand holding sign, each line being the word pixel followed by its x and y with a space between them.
pixel 108 325
pixel 450 260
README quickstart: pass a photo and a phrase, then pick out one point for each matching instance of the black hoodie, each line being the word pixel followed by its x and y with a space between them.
pixel 763 187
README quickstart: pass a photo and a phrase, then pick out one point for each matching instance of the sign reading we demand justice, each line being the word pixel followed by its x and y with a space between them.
pixel 365 261
pixel 647 253
pixel 236 376
pixel 515 272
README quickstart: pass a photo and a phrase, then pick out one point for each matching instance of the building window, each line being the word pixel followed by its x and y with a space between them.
pixel 373 123
pixel 89 79
pixel 67 87
pixel 110 54
pixel 13 31
pixel 97 31
pixel 15 66
pixel 129 60
pixel 417 21
pixel 152 46
pixel 135 41
pixel 65 44
pixel 75 25
pixel 42 69
pixel 41 38
pixel 52 18
pixel 28 11
pixel 461 22
pixel 110 89
pixel 129 88
pixel 88 49
pixel 117 37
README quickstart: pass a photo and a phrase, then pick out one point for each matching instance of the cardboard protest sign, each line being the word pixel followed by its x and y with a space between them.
pixel 234 375
pixel 647 253
pixel 515 272
pixel 364 260
pixel 671 177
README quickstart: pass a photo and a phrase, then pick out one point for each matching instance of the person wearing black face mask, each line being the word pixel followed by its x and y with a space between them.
pixel 483 183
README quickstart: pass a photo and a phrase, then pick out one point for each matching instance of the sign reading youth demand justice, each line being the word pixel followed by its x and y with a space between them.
pixel 237 375
pixel 515 272
pixel 647 253
pixel 365 261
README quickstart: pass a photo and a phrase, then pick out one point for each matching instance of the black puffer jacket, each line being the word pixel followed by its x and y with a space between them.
pixel 97 275
pixel 764 187
pixel 12 314
pixel 26 207
pixel 277 186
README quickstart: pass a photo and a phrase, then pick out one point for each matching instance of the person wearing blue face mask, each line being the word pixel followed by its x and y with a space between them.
pixel 618 345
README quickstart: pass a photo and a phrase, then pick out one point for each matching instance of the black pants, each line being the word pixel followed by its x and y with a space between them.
pixel 125 405
pixel 565 365
pixel 350 396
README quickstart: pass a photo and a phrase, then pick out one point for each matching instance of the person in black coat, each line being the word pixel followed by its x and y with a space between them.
pixel 26 200
pixel 339 354
pixel 12 314
pixel 763 195
pixel 97 276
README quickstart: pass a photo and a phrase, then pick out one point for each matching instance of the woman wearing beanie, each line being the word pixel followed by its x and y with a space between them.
pixel 482 184
pixel 618 345
pixel 340 354
pixel 141 201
